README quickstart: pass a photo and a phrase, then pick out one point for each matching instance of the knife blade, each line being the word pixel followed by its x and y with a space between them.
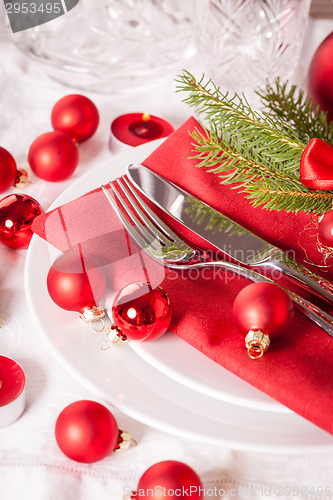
pixel 232 239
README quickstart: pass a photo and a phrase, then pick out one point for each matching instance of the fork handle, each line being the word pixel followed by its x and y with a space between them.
pixel 309 281
pixel 311 311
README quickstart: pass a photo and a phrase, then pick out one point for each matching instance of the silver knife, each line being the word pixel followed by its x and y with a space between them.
pixel 233 240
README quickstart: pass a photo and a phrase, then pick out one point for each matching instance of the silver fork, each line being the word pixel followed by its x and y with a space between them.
pixel 164 246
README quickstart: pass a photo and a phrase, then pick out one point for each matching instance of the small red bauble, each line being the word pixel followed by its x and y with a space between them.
pixel 8 170
pixel 169 480
pixel 86 432
pixel 76 116
pixel 53 156
pixel 321 76
pixel 262 311
pixel 325 229
pixel 139 312
pixel 17 212
pixel 77 284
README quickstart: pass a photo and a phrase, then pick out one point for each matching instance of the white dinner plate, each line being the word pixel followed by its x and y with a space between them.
pixel 230 414
pixel 179 361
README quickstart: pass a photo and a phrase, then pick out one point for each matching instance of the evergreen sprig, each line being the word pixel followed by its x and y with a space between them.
pixel 250 151
pixel 295 110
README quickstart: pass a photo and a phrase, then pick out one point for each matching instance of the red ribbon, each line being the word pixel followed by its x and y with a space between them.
pixel 316 167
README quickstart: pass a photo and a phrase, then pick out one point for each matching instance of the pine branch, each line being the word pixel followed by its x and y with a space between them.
pixel 254 153
pixel 230 156
pixel 294 109
pixel 263 186
pixel 236 115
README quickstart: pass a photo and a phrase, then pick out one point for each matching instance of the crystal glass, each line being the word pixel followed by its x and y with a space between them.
pixel 243 43
pixel 112 45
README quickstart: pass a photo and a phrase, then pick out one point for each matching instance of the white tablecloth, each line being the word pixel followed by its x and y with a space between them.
pixel 31 465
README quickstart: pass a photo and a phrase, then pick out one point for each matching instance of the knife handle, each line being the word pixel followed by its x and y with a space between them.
pixel 298 274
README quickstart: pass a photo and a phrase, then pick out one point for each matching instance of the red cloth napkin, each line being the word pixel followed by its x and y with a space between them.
pixel 297 369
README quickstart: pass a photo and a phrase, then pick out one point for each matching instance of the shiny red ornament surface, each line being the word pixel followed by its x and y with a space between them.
pixel 321 76
pixel 8 170
pixel 170 480
pixel 74 283
pixel 53 156
pixel 325 229
pixel 76 116
pixel 17 212
pixel 141 312
pixel 263 306
pixel 133 130
pixel 86 431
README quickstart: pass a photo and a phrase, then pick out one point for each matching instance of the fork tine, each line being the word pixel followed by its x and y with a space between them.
pixel 138 205
pixel 166 250
pixel 143 240
pixel 166 230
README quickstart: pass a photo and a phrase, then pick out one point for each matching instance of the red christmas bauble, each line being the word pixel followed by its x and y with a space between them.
pixel 8 170
pixel 86 431
pixel 321 76
pixel 170 480
pixel 76 116
pixel 17 212
pixel 76 283
pixel 263 307
pixel 53 156
pixel 325 229
pixel 141 312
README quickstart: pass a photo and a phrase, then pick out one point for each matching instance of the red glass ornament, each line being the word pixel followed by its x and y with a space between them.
pixel 325 229
pixel 8 170
pixel 139 312
pixel 17 212
pixel 76 116
pixel 262 311
pixel 53 156
pixel 77 284
pixel 86 432
pixel 321 76
pixel 169 480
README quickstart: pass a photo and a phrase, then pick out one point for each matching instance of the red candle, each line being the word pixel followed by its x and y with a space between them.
pixel 12 391
pixel 134 129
